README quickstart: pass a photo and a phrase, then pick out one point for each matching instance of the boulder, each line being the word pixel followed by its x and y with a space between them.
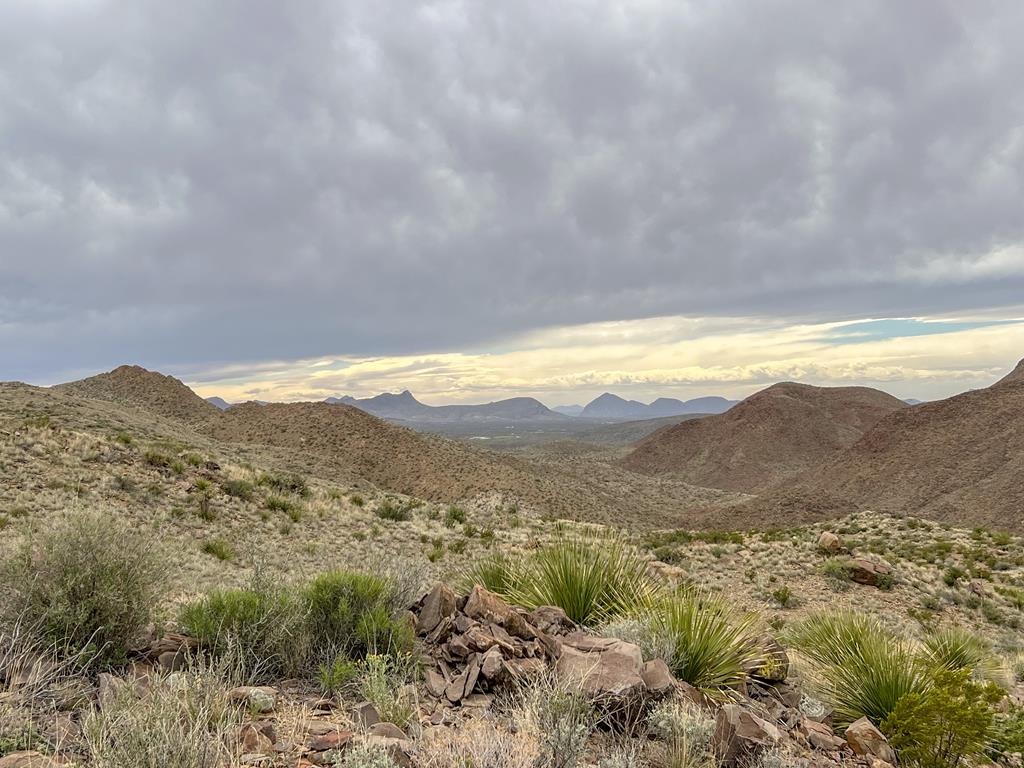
pixel 869 572
pixel 251 740
pixel 551 620
pixel 604 670
pixel 486 606
pixel 439 603
pixel 867 741
pixel 830 543
pixel 658 677
pixel 740 736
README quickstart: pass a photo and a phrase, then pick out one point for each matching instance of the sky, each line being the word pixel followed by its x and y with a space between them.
pixel 479 200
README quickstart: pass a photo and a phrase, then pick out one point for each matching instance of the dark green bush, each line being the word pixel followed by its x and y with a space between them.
pixel 390 510
pixel 946 726
pixel 260 627
pixel 238 489
pixel 273 631
pixel 87 585
pixel 285 484
pixel 354 614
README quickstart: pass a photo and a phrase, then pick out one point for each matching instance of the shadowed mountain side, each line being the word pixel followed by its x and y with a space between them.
pixel 773 434
pixel 957 460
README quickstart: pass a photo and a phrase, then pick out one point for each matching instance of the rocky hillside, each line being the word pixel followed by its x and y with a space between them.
pixel 772 435
pixel 135 386
pixel 960 459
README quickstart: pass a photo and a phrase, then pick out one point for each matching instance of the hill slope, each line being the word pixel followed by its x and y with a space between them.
pixel 774 434
pixel 154 392
pixel 960 459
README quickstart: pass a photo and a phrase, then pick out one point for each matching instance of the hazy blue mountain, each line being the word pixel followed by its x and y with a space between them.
pixel 405 407
pixel 609 406
pixel 219 402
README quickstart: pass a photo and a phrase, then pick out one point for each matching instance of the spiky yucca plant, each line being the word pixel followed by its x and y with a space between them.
pixel 860 667
pixel 591 580
pixel 709 644
pixel 956 648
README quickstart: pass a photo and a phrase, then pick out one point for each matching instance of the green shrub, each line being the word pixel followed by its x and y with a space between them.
pixel 357 500
pixel 260 627
pixel 837 571
pixel 285 484
pixel 338 674
pixel 496 573
pixel 238 489
pixel 784 596
pixel 560 718
pixel 354 614
pixel 88 585
pixel 945 726
pixel 592 581
pixel 366 756
pixel 391 510
pixel 708 644
pixel 280 504
pixel 157 459
pixel 862 668
pixel 1008 733
pixel 454 516
pixel 219 548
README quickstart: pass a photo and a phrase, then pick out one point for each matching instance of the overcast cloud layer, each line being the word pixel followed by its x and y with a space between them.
pixel 197 184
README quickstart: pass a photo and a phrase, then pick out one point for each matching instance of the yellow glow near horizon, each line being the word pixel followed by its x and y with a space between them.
pixel 643 359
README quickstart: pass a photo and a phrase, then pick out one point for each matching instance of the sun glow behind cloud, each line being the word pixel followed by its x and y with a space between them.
pixel 667 356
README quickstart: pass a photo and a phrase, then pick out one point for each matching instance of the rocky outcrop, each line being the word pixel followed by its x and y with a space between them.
pixel 872 573
pixel 480 643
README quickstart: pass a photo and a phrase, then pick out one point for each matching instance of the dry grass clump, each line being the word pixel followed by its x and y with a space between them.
pixel 478 743
pixel 184 720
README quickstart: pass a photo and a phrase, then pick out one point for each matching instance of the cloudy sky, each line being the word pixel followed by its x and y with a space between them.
pixel 479 199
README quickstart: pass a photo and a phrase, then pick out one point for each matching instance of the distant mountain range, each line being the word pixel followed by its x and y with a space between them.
pixel 609 406
pixel 405 407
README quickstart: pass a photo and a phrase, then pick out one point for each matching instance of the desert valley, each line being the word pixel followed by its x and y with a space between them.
pixel 795 504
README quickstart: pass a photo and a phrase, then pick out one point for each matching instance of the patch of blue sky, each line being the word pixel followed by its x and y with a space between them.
pixel 902 327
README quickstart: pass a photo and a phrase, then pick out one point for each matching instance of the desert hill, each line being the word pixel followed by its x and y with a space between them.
pixel 774 434
pixel 135 386
pixel 340 443
pixel 1016 376
pixel 959 459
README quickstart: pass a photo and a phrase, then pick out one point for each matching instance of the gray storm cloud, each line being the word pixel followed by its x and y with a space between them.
pixel 193 183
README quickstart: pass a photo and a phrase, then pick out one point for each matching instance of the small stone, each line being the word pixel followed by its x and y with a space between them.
pixel 364 714
pixel 658 677
pixel 173 660
pixel 335 739
pixel 259 699
pixel 387 731
pixel 492 664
